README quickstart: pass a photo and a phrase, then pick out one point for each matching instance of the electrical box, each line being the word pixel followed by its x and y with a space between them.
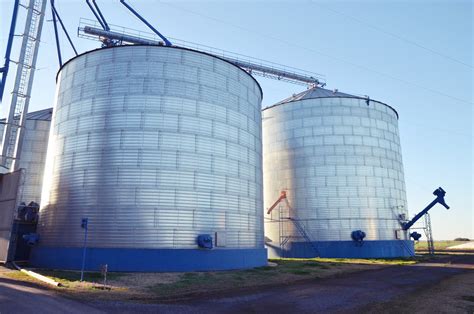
pixel 220 238
pixel 400 234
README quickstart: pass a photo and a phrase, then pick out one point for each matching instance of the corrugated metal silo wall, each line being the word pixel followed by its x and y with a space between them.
pixel 154 145
pixel 32 158
pixel 340 162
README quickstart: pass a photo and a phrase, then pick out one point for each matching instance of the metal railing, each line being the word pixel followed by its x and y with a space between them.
pixel 119 35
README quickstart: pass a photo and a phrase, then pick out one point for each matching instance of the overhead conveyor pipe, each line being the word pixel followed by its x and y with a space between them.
pixel 246 65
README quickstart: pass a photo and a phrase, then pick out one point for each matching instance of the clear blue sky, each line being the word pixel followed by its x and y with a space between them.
pixel 416 56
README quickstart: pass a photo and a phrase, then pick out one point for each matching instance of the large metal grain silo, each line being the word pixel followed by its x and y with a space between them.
pixel 336 161
pixel 33 153
pixel 155 146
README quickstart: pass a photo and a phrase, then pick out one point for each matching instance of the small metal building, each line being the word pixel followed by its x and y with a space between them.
pixel 33 153
pixel 338 159
pixel 155 145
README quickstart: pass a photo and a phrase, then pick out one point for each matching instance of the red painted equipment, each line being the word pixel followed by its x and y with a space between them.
pixel 282 197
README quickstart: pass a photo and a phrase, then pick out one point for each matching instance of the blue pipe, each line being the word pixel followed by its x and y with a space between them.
pixel 440 193
pixel 107 28
pixel 5 68
pixel 55 12
pixel 167 42
pixel 56 35
pixel 96 16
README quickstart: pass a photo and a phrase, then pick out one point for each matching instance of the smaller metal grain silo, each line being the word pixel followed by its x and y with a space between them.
pixel 337 161
pixel 33 153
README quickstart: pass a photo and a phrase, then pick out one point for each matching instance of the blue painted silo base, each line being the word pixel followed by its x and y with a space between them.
pixel 345 249
pixel 148 260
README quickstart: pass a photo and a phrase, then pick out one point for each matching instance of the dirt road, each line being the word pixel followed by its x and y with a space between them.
pixel 444 286
pixel 357 292
pixel 20 297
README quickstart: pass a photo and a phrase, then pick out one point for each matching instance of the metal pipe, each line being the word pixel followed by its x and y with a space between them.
pixel 167 42
pixel 250 66
pixel 119 36
pixel 37 276
pixel 5 68
pixel 56 34
pixel 281 73
pixel 440 193
pixel 282 196
pixel 95 14
pixel 55 12
pixel 107 28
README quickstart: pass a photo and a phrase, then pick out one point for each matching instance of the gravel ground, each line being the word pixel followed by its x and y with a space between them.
pixel 399 289
pixel 453 295
pixel 445 286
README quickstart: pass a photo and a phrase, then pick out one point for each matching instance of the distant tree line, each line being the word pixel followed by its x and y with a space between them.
pixel 462 239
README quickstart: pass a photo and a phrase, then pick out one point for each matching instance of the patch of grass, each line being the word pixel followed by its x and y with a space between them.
pixel 330 262
pixel 299 272
pixel 188 282
pixel 439 245
pixel 18 275
pixel 285 271
pixel 70 278
pixel 318 265
pixel 265 268
pixel 259 271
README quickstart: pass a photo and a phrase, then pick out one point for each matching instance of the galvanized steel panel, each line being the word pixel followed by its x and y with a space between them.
pixel 33 153
pixel 340 162
pixel 154 145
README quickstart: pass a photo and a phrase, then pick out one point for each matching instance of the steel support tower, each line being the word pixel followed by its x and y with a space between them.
pixel 26 65
pixel 429 234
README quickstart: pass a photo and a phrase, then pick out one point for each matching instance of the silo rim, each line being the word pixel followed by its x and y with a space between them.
pixel 175 47
pixel 352 97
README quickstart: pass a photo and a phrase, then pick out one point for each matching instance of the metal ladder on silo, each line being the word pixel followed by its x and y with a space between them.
pixel 26 66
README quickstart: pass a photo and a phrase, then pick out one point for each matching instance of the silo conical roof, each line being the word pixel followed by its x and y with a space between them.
pixel 319 92
pixel 315 92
